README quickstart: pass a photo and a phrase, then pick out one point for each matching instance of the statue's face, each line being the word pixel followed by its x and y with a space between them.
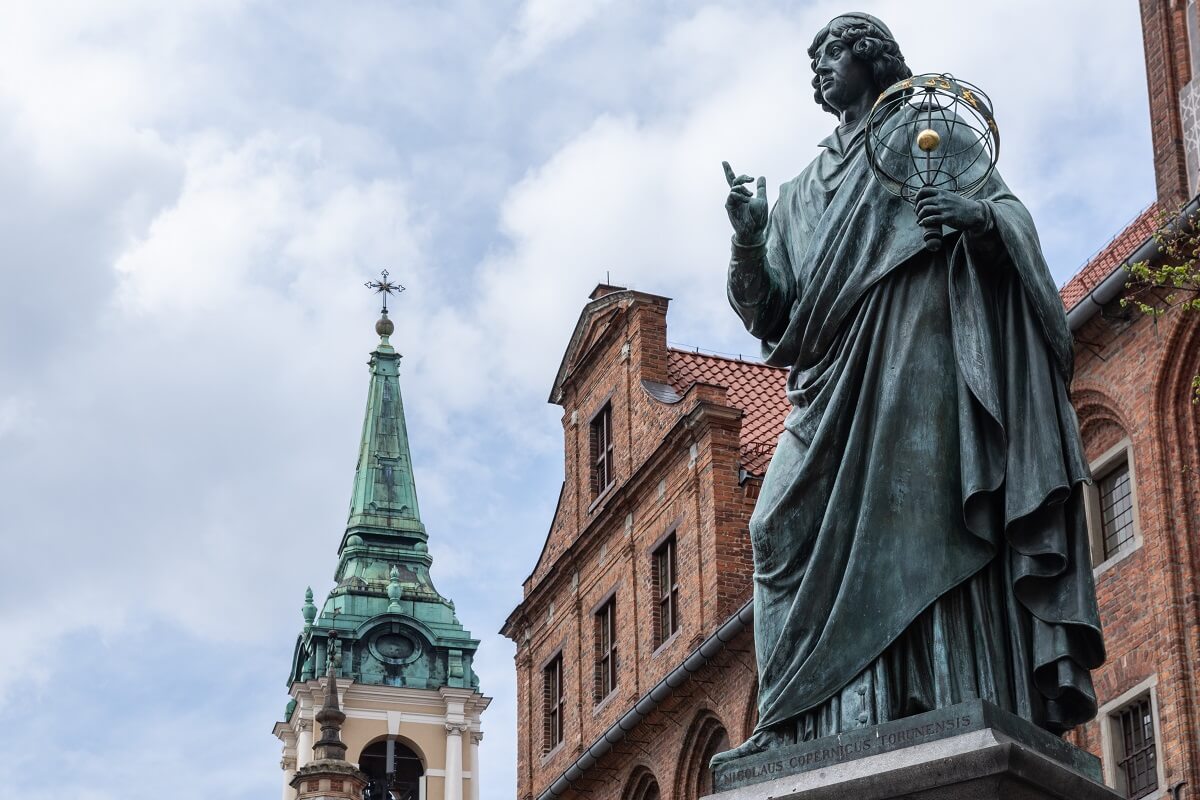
pixel 844 78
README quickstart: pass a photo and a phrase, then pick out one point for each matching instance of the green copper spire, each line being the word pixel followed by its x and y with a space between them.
pixel 396 627
pixel 384 500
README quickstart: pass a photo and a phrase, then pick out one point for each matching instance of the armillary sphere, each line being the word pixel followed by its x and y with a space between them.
pixel 932 130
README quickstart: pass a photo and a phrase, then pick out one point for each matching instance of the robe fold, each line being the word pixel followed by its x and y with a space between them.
pixel 919 537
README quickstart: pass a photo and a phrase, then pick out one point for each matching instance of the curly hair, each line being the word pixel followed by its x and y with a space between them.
pixel 867 43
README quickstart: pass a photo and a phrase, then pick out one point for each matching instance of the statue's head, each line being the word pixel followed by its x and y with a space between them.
pixel 854 53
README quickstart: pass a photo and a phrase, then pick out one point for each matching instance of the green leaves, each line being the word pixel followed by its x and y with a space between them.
pixel 1172 283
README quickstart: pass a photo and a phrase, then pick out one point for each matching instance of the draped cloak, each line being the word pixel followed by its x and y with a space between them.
pixel 921 522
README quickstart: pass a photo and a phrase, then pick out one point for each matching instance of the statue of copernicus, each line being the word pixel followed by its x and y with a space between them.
pixel 919 538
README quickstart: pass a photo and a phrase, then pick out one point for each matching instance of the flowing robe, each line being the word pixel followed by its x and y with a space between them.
pixel 919 537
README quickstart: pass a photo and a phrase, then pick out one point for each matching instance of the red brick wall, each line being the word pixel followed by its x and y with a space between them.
pixel 1168 69
pixel 676 469
pixel 665 743
pixel 1133 381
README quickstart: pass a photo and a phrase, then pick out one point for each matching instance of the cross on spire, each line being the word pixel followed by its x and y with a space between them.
pixel 384 287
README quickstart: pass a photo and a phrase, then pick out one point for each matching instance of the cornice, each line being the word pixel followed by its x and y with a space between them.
pixel 357 694
pixel 316 769
pixel 406 717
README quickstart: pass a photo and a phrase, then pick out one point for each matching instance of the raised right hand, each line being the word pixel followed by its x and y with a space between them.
pixel 747 212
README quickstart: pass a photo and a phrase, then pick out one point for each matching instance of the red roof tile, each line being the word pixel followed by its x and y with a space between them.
pixel 1101 265
pixel 755 388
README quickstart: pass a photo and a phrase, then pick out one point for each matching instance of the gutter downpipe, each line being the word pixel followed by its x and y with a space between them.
pixel 699 657
pixel 1108 289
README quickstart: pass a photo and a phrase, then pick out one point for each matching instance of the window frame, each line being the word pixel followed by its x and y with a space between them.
pixel 665 558
pixel 553 709
pixel 601 457
pixel 1112 459
pixel 607 662
pixel 1112 739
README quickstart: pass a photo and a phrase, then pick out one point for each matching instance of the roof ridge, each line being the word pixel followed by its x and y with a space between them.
pixel 696 351
pixel 1104 249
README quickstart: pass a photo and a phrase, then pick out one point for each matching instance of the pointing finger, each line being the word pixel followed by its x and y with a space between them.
pixel 728 173
pixel 762 188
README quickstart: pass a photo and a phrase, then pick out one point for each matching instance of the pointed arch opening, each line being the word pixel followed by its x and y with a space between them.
pixel 642 785
pixel 706 737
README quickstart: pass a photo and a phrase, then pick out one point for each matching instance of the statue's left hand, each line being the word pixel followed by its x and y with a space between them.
pixel 943 207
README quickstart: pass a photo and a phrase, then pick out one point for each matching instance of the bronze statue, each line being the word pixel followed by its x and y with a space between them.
pixel 919 539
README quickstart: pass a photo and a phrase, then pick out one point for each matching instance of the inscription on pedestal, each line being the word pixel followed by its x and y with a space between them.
pixel 941 724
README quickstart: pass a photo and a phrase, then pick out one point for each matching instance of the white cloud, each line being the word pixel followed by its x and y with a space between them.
pixel 273 216
pixel 643 197
pixel 540 25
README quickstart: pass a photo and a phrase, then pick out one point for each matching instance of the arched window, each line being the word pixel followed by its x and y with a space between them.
pixel 706 738
pixel 400 781
pixel 642 786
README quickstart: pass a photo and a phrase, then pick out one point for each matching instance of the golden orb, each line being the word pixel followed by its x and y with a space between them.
pixel 928 140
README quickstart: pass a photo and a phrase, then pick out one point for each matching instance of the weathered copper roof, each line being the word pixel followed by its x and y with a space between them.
pixel 1101 265
pixel 754 387
pixel 383 590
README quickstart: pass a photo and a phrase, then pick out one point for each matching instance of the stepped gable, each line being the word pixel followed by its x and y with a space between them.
pixel 754 387
pixel 1102 264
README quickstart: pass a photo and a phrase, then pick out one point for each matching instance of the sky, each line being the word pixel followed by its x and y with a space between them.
pixel 196 192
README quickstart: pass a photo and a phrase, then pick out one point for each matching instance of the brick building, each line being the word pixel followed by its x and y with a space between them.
pixel 647 562
pixel 635 658
pixel 1141 430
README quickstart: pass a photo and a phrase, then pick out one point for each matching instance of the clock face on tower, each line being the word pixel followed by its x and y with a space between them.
pixel 394 644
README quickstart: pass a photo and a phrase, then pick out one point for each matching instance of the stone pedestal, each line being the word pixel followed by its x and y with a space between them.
pixel 972 751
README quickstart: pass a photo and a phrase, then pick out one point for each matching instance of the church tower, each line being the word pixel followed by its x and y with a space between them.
pixel 402 663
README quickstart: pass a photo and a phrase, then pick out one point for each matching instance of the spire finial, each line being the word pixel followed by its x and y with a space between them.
pixel 384 327
pixel 331 716
pixel 394 591
pixel 308 610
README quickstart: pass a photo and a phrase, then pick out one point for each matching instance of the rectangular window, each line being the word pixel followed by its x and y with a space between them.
pixel 553 704
pixel 1116 509
pixel 606 650
pixel 1137 759
pixel 601 438
pixel 1112 506
pixel 666 590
